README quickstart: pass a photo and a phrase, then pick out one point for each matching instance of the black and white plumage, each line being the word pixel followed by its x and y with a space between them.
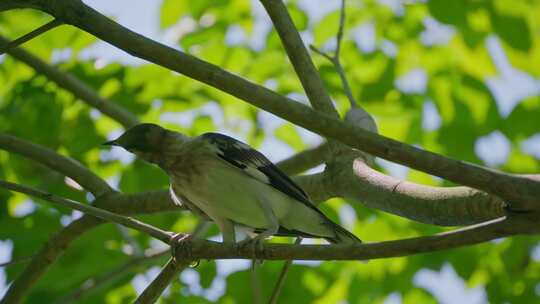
pixel 233 184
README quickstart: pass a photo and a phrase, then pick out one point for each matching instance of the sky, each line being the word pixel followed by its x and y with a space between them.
pixel 509 87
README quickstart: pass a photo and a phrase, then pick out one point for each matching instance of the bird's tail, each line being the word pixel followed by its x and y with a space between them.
pixel 343 236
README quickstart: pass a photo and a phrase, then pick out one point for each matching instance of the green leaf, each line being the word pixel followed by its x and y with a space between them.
pixel 449 12
pixel 513 30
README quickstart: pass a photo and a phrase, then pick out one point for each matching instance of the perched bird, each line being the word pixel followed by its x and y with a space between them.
pixel 219 177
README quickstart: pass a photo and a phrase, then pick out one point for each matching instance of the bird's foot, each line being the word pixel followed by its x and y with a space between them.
pixel 180 242
pixel 256 245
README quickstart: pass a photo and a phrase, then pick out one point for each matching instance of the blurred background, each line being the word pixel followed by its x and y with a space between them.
pixel 461 78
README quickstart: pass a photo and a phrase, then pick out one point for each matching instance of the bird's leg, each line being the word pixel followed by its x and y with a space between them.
pixel 182 239
pixel 271 229
pixel 227 230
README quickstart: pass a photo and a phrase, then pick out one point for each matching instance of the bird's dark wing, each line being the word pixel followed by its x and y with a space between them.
pixel 255 164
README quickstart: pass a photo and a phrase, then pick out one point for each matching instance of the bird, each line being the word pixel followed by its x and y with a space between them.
pixel 223 179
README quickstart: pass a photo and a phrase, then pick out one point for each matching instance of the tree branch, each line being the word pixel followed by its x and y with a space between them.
pixel 521 192
pixel 33 34
pixel 304 160
pixel 334 59
pixel 173 267
pixel 67 166
pixel 146 202
pixel 157 233
pixel 282 277
pixel 141 202
pixel 122 203
pixel 443 241
pixel 75 86
pixel 158 285
pixel 442 206
pixel 451 206
pixel 299 57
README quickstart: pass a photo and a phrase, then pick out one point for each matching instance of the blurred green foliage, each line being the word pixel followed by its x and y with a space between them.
pixel 457 69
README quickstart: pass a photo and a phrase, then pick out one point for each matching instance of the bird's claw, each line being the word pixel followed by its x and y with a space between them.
pixel 256 245
pixel 180 242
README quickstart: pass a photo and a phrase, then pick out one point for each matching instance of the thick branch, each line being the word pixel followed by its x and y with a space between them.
pixel 97 212
pixel 75 86
pixel 6 5
pixel 299 57
pixel 304 160
pixel 451 206
pixel 49 158
pixel 523 193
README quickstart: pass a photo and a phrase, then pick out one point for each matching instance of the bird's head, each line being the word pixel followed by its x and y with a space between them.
pixel 144 140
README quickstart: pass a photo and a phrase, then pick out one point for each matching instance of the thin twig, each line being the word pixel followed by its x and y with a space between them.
pixel 334 59
pixel 341 29
pixel 256 290
pixel 157 233
pixel 40 30
pixel 320 52
pixel 133 243
pixel 16 261
pixel 282 277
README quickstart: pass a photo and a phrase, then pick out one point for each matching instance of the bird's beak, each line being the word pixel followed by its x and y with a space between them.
pixel 110 143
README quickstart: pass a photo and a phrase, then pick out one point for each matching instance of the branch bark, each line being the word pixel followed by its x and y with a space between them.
pixel 299 57
pixel 157 233
pixel 173 267
pixel 441 206
pixel 450 206
pixel 443 241
pixel 304 160
pixel 169 272
pixel 522 193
